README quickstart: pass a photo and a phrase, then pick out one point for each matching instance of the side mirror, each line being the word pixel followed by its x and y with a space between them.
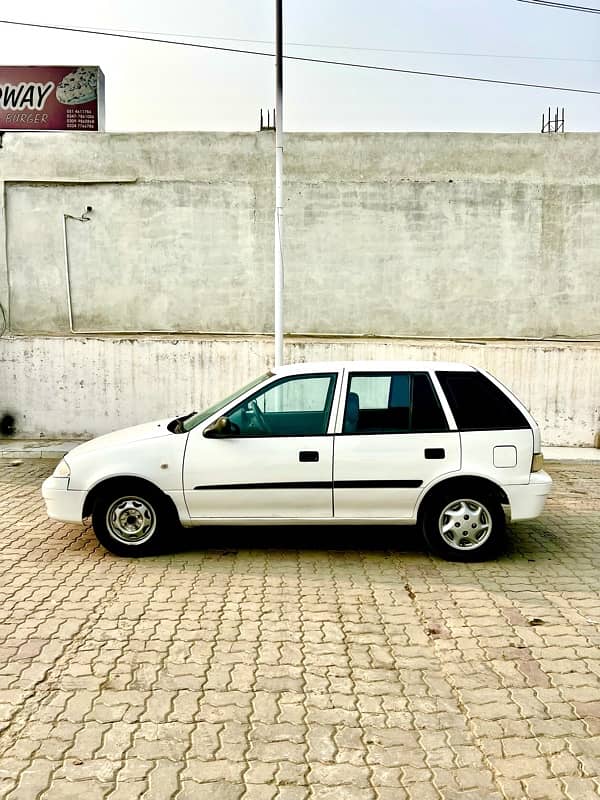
pixel 222 428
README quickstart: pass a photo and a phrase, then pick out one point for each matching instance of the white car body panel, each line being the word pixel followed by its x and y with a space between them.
pixel 125 436
pixel 156 460
pixel 150 452
pixel 380 456
pixel 270 470
pixel 478 454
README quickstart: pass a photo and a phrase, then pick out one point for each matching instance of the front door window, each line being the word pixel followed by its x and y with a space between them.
pixel 296 406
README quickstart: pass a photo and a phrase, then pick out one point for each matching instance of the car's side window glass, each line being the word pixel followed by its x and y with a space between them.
pixel 296 406
pixel 478 404
pixel 374 391
pixel 427 413
pixel 392 403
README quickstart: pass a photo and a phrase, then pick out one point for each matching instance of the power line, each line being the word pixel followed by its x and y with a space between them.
pixel 563 6
pixel 445 75
pixel 320 46
pixel 304 59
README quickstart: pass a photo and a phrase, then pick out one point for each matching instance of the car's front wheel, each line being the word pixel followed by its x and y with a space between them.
pixel 131 520
pixel 464 525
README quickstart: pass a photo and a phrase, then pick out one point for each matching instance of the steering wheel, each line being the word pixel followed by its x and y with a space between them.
pixel 259 417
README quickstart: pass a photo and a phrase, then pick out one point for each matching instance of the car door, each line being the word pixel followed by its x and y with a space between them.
pixel 393 441
pixel 277 464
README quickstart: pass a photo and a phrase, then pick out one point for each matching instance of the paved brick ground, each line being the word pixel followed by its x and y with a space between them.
pixel 299 663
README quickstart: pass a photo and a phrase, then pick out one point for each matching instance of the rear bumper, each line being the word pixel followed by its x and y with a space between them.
pixel 527 500
pixel 61 502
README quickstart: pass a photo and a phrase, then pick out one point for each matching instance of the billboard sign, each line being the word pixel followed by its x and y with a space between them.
pixel 51 99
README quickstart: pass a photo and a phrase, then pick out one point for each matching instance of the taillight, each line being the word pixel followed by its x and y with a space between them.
pixel 537 462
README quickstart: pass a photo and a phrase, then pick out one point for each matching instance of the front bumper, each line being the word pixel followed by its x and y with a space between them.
pixel 527 500
pixel 61 502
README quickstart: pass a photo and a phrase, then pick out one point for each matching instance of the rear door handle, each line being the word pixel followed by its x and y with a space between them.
pixel 308 455
pixel 435 452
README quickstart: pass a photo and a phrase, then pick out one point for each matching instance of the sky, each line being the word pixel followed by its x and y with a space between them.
pixel 152 87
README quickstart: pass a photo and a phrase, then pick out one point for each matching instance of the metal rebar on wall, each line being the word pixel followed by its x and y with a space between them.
pixel 270 123
pixel 553 123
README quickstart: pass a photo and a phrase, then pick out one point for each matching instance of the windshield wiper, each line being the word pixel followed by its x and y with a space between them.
pixel 176 425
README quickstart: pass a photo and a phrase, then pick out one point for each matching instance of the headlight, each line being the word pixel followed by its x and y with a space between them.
pixel 63 470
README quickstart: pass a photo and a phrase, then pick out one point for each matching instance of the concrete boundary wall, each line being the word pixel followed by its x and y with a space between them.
pixel 420 234
pixel 82 386
pixel 438 236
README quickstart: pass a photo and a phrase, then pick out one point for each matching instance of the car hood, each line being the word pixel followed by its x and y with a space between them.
pixel 123 437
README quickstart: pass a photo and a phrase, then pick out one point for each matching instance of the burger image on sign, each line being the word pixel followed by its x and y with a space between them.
pixel 77 87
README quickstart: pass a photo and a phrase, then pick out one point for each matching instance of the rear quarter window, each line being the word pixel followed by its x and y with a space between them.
pixel 478 404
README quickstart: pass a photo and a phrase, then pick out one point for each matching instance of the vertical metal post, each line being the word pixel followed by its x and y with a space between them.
pixel 278 183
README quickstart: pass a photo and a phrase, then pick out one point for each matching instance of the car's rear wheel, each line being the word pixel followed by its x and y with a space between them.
pixel 131 520
pixel 464 525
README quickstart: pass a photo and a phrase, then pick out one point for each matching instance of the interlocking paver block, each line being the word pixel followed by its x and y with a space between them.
pixel 190 790
pixel 581 788
pixel 33 779
pixel 292 793
pixel 62 789
pixel 344 792
pixel 289 673
pixel 163 780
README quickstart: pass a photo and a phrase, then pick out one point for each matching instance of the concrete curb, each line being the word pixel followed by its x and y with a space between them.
pixel 20 449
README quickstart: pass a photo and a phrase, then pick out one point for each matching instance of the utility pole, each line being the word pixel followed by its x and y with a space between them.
pixel 278 183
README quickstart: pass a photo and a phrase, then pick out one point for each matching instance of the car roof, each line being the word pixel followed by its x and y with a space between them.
pixel 371 366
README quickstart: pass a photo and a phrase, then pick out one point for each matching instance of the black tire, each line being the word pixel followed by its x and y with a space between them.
pixel 464 525
pixel 130 519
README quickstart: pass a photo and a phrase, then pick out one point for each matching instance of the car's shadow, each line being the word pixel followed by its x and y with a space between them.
pixel 531 541
pixel 527 542
pixel 407 539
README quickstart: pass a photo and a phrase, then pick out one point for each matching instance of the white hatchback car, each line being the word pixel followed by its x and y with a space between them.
pixel 441 445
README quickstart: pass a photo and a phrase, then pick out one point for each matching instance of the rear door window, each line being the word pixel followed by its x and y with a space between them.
pixel 478 404
pixel 394 402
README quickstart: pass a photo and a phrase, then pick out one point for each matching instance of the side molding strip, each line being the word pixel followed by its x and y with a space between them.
pixel 314 485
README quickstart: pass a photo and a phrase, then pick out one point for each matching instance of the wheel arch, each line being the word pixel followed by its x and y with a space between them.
pixel 462 483
pixel 123 480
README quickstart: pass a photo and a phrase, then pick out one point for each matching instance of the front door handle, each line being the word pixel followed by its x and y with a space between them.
pixel 308 455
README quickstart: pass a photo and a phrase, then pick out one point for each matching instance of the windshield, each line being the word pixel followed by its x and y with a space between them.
pixel 196 419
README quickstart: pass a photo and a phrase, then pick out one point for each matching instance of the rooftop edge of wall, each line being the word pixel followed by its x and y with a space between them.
pixel 309 157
